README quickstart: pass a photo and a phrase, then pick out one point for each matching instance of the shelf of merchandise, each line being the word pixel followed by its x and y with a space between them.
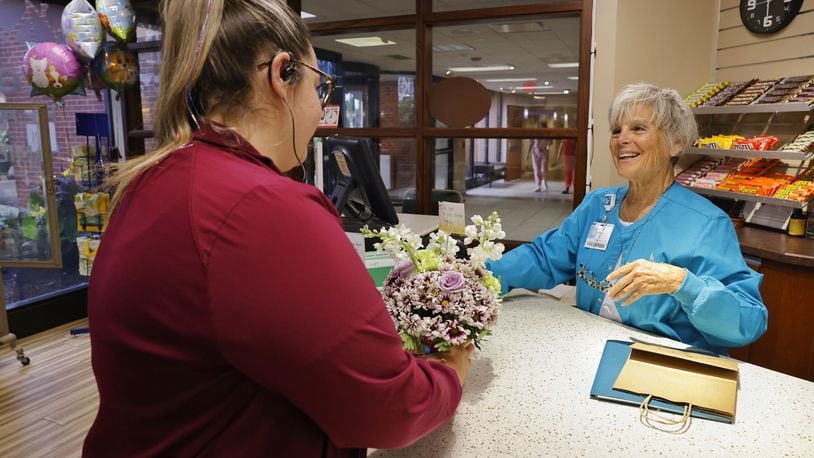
pixel 757 108
pixel 750 153
pixel 749 197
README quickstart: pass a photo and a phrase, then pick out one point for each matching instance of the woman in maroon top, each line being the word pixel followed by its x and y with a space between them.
pixel 229 314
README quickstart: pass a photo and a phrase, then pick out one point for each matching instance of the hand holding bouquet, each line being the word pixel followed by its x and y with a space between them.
pixel 436 300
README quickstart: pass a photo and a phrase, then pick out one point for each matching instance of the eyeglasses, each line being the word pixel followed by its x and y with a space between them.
pixel 325 89
pixel 589 277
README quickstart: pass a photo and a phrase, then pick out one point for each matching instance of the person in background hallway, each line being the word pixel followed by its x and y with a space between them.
pixel 539 149
pixel 651 254
pixel 229 313
pixel 568 152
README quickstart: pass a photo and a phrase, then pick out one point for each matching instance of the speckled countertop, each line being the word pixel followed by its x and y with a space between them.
pixel 528 395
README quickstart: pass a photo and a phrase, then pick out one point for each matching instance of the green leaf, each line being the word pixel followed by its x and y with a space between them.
pixel 29 228
pixel 411 343
pixel 35 200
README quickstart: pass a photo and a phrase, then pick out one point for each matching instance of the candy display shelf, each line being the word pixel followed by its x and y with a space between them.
pixel 750 153
pixel 749 197
pixel 778 119
pixel 757 108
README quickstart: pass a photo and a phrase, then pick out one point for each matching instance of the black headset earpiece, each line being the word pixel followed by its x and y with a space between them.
pixel 289 70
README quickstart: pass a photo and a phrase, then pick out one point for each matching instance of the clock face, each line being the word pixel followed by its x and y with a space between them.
pixel 768 16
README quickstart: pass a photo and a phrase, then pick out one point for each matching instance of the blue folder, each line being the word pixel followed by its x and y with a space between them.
pixel 614 356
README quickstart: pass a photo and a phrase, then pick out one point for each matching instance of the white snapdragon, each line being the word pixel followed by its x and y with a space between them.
pixel 442 244
pixel 399 241
pixel 484 232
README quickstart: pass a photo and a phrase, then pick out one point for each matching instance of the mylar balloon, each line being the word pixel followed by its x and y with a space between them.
pixel 82 29
pixel 52 69
pixel 118 18
pixel 117 68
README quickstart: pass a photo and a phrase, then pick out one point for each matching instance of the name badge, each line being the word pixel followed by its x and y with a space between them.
pixel 598 236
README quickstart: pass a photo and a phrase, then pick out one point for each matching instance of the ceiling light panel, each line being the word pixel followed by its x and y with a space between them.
pixel 454 47
pixel 519 27
pixel 365 42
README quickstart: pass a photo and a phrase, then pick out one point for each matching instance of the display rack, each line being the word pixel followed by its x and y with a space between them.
pixel 780 118
pixel 750 153
pixel 757 108
pixel 748 197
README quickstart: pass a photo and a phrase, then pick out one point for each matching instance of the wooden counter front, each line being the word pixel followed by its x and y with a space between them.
pixel 787 265
pixel 777 246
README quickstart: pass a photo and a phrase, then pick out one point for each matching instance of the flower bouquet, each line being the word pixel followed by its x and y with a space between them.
pixel 437 300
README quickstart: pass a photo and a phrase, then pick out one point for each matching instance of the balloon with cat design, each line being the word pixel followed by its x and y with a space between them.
pixel 117 68
pixel 52 69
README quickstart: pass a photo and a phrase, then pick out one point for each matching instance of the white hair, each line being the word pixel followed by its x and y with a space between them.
pixel 669 111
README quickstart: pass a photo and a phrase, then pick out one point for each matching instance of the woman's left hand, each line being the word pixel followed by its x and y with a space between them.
pixel 641 278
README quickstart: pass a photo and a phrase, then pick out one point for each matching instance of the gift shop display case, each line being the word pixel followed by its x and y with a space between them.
pixel 29 232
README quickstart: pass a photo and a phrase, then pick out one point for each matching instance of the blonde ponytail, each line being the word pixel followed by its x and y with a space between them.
pixel 211 51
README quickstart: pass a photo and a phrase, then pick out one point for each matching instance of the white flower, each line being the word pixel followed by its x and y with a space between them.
pixel 427 314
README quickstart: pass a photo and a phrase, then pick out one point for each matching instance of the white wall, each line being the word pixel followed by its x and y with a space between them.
pixel 670 43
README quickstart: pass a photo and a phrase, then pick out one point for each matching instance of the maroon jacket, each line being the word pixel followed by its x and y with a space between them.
pixel 230 316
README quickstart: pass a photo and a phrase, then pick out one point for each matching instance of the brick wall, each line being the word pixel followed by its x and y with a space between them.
pixel 401 150
pixel 26 20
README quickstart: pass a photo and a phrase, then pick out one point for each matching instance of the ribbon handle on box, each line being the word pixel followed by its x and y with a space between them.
pixel 653 420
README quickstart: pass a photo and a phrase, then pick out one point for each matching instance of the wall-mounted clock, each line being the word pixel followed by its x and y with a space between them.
pixel 768 16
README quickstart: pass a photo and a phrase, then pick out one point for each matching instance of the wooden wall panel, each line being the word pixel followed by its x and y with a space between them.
pixel 739 36
pixel 729 18
pixel 729 4
pixel 744 55
pixel 767 70
pixel 767 51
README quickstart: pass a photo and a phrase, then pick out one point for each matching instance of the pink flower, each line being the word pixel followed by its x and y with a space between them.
pixel 404 268
pixel 451 282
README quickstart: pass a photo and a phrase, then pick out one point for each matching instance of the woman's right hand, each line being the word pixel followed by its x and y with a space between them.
pixel 458 358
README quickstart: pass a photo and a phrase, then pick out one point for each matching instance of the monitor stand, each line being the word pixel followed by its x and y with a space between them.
pixel 352 224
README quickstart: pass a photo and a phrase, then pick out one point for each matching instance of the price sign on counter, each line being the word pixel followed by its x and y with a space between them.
pixel 451 217
pixel 330 116
pixel 358 241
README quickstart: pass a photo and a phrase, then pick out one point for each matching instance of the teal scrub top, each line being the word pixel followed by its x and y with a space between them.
pixel 718 306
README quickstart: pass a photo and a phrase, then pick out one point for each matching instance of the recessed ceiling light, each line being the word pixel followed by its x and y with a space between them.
pixel 573 77
pixel 565 65
pixel 452 48
pixel 539 97
pixel 307 15
pixel 365 42
pixel 528 88
pixel 494 68
pixel 566 92
pixel 518 27
pixel 510 80
pixel 546 83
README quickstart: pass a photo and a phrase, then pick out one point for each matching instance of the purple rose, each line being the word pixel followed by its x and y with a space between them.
pixel 451 282
pixel 404 268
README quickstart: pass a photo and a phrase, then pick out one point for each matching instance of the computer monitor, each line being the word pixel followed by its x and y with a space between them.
pixel 358 191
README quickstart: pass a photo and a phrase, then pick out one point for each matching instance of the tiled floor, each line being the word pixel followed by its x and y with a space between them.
pixel 524 213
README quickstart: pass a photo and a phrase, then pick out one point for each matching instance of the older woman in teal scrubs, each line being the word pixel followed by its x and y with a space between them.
pixel 650 254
